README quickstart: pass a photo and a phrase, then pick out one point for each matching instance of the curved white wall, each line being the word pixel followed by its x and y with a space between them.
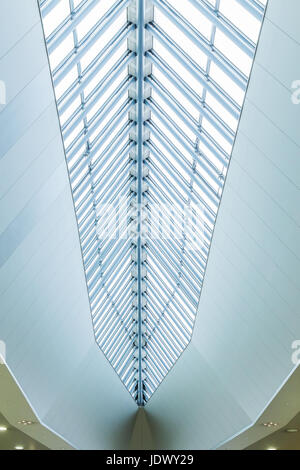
pixel 44 308
pixel 249 312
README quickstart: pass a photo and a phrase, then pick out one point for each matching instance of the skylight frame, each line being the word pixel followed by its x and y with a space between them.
pixel 143 338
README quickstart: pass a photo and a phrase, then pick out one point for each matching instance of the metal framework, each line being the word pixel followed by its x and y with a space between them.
pixel 149 94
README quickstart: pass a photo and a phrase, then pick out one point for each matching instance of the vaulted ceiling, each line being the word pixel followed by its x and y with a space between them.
pixel 149 95
pixel 240 334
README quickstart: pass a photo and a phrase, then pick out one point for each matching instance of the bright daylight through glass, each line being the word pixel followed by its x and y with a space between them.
pixel 149 95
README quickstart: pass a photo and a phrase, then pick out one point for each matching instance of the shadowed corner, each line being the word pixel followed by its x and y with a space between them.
pixel 121 434
pixel 142 437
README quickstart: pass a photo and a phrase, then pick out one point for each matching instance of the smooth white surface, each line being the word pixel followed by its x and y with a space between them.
pixel 249 310
pixel 241 350
pixel 45 316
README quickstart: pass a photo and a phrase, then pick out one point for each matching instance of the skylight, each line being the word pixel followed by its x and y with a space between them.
pixel 149 95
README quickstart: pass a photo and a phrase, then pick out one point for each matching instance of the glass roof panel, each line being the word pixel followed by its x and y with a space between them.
pixel 149 96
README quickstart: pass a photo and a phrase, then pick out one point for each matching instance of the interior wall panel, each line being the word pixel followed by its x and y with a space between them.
pixel 248 315
pixel 45 317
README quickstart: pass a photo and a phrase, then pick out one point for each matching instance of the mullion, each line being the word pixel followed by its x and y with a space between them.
pixel 184 338
pixel 91 222
pixel 207 233
pixel 161 364
pixel 205 187
pixel 104 252
pixel 158 183
pixel 67 27
pixel 254 7
pixel 127 369
pixel 75 89
pixel 170 330
pixel 78 53
pixel 211 170
pixel 104 279
pixel 104 266
pixel 99 314
pixel 154 371
pixel 178 317
pixel 103 244
pixel 212 87
pixel 114 325
pixel 85 161
pixel 108 327
pixel 179 266
pixel 47 6
pixel 201 42
pixel 73 121
pixel 164 350
pixel 214 119
pixel 163 346
pixel 119 157
pixel 160 329
pixel 110 349
pixel 108 320
pixel 162 179
pixel 88 130
pixel 114 124
pixel 111 195
pixel 95 265
pixel 171 252
pixel 79 74
pixel 160 357
pixel 171 177
pixel 180 254
pixel 112 292
pixel 93 193
pixel 232 33
pixel 109 300
pixel 173 103
pixel 180 312
pixel 118 355
pixel 171 294
pixel 177 222
pixel 179 280
pixel 123 346
pixel 76 17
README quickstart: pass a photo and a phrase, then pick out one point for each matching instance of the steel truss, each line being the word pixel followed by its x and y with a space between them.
pixel 149 95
